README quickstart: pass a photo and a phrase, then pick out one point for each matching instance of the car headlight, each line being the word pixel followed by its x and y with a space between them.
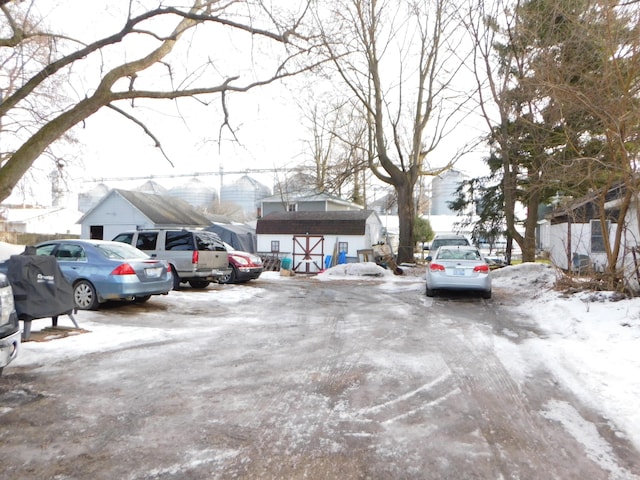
pixel 6 304
pixel 240 260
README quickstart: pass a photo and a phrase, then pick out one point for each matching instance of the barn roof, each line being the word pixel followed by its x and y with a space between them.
pixel 160 210
pixel 342 222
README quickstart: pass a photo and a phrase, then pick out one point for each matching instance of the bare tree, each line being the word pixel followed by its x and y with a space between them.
pixel 36 110
pixel 337 148
pixel 399 60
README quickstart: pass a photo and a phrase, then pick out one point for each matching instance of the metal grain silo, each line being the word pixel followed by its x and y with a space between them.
pixel 152 187
pixel 87 200
pixel 245 192
pixel 443 189
pixel 195 192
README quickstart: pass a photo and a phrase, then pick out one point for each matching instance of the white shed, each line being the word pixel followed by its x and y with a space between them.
pixel 310 237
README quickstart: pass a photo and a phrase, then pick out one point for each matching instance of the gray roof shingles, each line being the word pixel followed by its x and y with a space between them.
pixel 341 222
pixel 164 210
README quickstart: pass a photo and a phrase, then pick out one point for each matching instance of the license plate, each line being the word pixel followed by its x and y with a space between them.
pixel 153 272
pixel 458 271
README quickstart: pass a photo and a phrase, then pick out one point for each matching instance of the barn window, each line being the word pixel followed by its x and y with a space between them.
pixel 292 207
pixel 275 246
pixel 96 232
pixel 597 237
pixel 343 247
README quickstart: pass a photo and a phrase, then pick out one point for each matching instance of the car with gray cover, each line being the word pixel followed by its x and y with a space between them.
pixel 101 271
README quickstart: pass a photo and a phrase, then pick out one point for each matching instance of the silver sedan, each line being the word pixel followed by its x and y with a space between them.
pixel 458 268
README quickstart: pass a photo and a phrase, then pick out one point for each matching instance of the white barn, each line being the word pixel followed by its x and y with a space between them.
pixel 123 210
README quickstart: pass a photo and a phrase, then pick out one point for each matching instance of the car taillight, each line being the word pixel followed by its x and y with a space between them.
pixel 482 269
pixel 124 269
pixel 195 257
pixel 436 267
pixel 169 268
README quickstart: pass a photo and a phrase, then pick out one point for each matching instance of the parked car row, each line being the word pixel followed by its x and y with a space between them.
pixel 135 266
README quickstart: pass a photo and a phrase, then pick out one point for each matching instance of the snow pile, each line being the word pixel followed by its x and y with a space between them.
pixel 8 249
pixel 589 340
pixel 527 280
pixel 364 269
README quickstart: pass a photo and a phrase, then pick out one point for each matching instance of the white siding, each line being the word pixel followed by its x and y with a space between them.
pixel 374 232
pixel 632 241
pixel 115 215
pixel 355 243
pixel 580 244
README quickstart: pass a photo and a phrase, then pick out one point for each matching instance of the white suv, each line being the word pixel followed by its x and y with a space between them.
pixel 196 256
pixel 444 239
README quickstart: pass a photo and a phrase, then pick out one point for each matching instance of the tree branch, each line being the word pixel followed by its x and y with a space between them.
pixel 146 130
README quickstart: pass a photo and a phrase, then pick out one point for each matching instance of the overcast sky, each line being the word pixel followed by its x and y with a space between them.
pixel 268 126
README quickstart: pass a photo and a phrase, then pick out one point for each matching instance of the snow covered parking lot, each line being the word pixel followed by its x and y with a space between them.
pixel 350 374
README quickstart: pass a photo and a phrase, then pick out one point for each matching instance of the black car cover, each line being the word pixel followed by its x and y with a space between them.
pixel 39 287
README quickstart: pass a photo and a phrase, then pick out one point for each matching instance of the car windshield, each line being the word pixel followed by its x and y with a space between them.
pixel 457 254
pixel 459 242
pixel 119 251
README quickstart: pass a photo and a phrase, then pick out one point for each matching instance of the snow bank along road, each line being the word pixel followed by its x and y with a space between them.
pixel 290 378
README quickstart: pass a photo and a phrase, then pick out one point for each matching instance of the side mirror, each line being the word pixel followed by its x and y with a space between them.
pixel 428 259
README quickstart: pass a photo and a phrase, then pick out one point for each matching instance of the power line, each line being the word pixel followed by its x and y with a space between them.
pixel 177 175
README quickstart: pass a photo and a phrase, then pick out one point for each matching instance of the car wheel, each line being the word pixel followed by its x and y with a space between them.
pixel 229 278
pixel 176 278
pixel 429 292
pixel 486 294
pixel 198 283
pixel 142 299
pixel 84 295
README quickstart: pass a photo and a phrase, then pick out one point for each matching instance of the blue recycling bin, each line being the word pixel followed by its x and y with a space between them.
pixel 285 264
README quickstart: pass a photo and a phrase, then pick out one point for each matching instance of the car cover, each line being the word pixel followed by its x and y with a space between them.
pixel 39 287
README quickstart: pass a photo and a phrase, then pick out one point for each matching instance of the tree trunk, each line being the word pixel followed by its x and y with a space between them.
pixel 406 217
pixel 528 245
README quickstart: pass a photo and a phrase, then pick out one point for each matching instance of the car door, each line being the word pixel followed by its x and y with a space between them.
pixel 179 246
pixel 71 258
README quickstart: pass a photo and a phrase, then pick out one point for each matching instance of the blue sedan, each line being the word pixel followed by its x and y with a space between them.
pixel 101 270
